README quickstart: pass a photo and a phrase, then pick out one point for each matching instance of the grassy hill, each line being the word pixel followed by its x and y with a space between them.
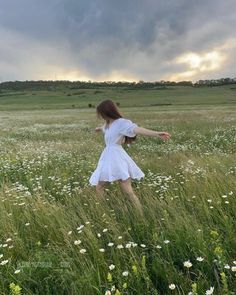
pixel 67 98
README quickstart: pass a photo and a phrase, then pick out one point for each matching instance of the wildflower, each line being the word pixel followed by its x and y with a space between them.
pixel 108 292
pixel 218 250
pixel 128 246
pixel 110 244
pixel 187 264
pixel 199 258
pixel 102 250
pixel 125 273
pixel 125 285
pixel 214 233
pixel 109 277
pixel 80 227
pixel 15 289
pixel 158 247
pixel 120 246
pixel 194 289
pixel 105 230
pixel 172 286
pixel 3 262
pixel 135 269
pixel 233 268
pixel 210 291
pixel 1 255
pixel 27 224
pixel 99 235
pixel 82 251
pixel 166 241
pixel 120 237
pixel 112 266
pixel 17 271
pixel 69 232
pixel 143 245
pixel 77 242
pixel 227 266
pixel 38 243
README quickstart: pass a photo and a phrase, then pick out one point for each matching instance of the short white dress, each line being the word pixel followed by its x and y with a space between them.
pixel 114 163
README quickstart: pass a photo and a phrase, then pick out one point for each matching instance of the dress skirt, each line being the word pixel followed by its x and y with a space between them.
pixel 115 164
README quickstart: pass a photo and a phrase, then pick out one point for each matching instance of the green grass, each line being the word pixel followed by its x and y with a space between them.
pixel 80 98
pixel 188 196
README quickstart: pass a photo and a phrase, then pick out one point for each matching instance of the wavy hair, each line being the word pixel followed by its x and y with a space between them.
pixel 107 110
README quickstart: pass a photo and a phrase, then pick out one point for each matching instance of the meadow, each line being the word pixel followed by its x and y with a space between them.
pixel 58 237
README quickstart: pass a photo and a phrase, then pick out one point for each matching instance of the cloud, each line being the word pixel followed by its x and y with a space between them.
pixel 116 40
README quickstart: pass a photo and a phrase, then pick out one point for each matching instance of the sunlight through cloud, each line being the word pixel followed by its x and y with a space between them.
pixel 198 63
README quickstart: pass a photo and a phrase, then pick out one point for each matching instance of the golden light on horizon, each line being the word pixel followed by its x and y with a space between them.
pixel 117 76
pixel 192 66
pixel 55 73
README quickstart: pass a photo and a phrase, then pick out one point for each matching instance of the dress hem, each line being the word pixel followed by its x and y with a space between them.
pixel 115 179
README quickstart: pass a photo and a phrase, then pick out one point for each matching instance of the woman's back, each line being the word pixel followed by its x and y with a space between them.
pixel 119 128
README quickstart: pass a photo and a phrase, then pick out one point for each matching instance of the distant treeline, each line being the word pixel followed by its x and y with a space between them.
pixel 62 84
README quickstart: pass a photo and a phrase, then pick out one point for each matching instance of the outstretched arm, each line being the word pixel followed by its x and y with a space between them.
pixel 148 132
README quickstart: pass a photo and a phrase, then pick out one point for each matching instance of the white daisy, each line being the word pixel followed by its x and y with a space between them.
pixel 77 242
pixel 125 273
pixel 3 262
pixel 210 291
pixel 172 286
pixel 187 264
pixel 17 271
pixel 112 266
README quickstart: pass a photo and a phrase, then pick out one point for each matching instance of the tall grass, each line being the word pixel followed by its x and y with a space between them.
pixel 58 237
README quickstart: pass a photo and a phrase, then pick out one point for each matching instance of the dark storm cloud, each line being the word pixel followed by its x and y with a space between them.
pixel 101 38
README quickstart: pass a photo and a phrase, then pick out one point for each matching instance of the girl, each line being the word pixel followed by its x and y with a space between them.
pixel 115 163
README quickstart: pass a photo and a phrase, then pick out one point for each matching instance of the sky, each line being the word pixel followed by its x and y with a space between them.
pixel 117 40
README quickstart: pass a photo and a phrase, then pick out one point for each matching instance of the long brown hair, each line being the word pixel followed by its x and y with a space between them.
pixel 107 109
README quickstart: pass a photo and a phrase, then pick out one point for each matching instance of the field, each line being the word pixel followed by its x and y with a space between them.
pixel 58 237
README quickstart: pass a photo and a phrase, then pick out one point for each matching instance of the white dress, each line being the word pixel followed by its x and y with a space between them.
pixel 114 163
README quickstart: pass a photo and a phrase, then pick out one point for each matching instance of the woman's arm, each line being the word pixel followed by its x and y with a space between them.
pixel 148 132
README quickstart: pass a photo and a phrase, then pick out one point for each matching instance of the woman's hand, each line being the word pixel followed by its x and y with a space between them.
pixel 97 129
pixel 164 135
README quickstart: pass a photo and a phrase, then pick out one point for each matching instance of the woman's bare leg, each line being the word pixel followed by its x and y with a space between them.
pixel 100 188
pixel 128 190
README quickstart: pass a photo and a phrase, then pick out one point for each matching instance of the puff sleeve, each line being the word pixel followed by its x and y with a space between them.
pixel 127 127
